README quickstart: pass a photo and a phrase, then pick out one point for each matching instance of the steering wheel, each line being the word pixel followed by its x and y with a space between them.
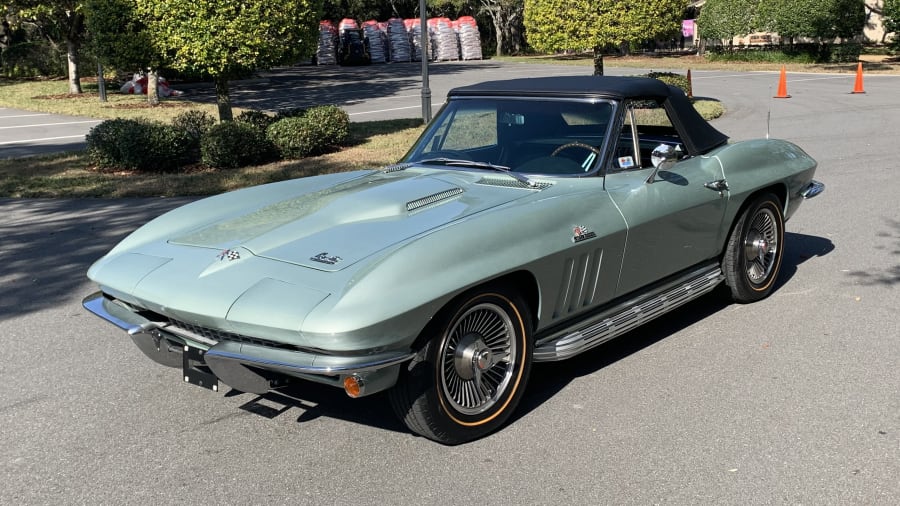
pixel 575 145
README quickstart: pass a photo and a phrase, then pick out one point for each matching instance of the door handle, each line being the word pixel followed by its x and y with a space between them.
pixel 719 186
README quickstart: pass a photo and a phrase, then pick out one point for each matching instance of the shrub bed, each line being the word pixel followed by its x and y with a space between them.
pixel 138 145
pixel 673 79
pixel 253 138
pixel 317 131
pixel 233 144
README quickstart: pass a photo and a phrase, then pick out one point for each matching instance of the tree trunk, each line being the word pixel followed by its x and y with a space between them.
pixel 72 58
pixel 101 82
pixel 223 100
pixel 153 87
pixel 498 29
pixel 598 61
pixel 73 44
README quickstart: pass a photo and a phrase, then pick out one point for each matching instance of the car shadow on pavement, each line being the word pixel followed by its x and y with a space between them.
pixel 315 400
pixel 799 248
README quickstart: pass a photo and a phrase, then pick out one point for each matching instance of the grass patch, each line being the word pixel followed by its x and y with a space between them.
pixel 52 96
pixel 374 144
pixel 879 64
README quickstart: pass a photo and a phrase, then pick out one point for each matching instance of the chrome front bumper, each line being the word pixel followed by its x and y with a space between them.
pixel 244 366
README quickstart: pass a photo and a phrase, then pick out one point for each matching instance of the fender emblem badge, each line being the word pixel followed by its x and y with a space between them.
pixel 582 233
pixel 325 258
pixel 229 254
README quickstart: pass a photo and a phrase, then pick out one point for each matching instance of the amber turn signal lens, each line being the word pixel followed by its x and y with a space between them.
pixel 353 385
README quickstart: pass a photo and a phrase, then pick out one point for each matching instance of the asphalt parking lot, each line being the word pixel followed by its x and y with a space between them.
pixel 795 399
pixel 26 133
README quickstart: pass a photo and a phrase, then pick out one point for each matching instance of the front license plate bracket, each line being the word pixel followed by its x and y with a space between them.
pixel 196 372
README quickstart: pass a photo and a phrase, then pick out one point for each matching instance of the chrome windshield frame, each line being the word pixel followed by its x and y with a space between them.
pixel 597 164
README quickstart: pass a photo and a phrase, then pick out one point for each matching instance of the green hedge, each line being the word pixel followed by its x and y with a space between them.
pixel 233 144
pixel 319 130
pixel 139 145
pixel 673 79
pixel 255 137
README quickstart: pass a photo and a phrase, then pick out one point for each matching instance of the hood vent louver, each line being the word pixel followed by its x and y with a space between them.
pixel 396 167
pixel 512 183
pixel 432 199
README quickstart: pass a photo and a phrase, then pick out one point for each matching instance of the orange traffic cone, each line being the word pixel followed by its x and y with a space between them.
pixel 690 93
pixel 782 85
pixel 858 87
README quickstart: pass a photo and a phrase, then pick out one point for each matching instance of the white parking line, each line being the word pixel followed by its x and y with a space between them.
pixel 25 141
pixel 395 109
pixel 848 76
pixel 695 76
pixel 53 124
pixel 25 115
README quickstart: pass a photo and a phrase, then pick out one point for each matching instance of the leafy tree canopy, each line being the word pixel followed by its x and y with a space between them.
pixel 59 21
pixel 118 36
pixel 724 19
pixel 891 18
pixel 231 37
pixel 224 39
pixel 822 19
pixel 557 25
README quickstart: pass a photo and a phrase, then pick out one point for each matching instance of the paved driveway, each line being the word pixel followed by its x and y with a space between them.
pixel 790 400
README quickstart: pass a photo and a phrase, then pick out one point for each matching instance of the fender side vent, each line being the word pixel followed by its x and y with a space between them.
pixel 432 199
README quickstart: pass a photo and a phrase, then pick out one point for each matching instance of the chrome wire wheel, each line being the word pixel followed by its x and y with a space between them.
pixel 761 246
pixel 470 374
pixel 477 359
pixel 752 257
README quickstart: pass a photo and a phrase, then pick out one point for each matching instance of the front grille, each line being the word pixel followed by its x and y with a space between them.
pixel 221 335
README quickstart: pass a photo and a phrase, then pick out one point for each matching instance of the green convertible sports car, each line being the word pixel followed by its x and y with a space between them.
pixel 533 220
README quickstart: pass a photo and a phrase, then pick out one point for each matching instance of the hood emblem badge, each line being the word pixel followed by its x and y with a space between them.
pixel 326 258
pixel 582 233
pixel 229 254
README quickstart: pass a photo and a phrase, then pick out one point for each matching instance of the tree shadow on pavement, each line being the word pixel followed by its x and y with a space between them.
pixel 46 246
pixel 308 86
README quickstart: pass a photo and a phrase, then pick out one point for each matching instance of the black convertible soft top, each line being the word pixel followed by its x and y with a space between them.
pixel 696 133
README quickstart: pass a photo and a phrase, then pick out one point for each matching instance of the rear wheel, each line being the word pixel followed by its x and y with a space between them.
pixel 752 258
pixel 470 375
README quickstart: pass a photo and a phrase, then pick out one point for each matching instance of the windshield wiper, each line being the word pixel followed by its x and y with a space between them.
pixel 479 165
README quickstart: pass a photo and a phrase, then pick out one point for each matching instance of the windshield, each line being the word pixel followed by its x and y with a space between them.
pixel 527 136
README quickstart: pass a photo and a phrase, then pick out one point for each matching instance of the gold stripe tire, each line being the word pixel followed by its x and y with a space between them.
pixel 470 375
pixel 752 258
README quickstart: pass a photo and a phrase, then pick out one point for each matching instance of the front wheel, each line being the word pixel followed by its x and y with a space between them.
pixel 470 375
pixel 752 258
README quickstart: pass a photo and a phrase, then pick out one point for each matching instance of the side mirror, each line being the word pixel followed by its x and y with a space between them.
pixel 663 157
